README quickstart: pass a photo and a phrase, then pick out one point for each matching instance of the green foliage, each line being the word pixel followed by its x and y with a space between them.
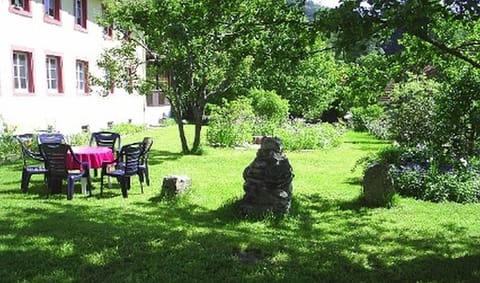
pixel 9 148
pixel 365 79
pixel 450 28
pixel 127 128
pixel 204 46
pixel 460 186
pixel 297 135
pixel 413 109
pixel 362 117
pixel 79 139
pixel 268 105
pixel 235 123
pixel 458 113
pixel 426 174
pixel 231 124
pixel 271 111
pixel 312 85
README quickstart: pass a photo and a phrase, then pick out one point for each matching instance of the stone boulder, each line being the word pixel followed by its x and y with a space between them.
pixel 378 187
pixel 175 185
pixel 268 181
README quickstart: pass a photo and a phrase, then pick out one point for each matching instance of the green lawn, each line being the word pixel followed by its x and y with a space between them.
pixel 327 237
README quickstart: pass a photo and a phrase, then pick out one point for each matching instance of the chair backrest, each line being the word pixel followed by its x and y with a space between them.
pixel 130 155
pixel 55 155
pixel 108 139
pixel 147 145
pixel 51 138
pixel 28 144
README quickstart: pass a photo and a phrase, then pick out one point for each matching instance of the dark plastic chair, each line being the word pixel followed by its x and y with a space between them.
pixel 143 167
pixel 32 159
pixel 108 139
pixel 51 138
pixel 128 162
pixel 55 156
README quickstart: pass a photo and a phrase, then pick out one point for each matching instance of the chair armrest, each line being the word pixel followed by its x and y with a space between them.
pixel 106 164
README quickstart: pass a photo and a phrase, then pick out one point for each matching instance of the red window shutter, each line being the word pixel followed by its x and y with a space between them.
pixel 60 74
pixel 31 85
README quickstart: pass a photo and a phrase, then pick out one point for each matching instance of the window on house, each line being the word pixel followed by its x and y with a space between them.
pixel 21 4
pixel 22 72
pixel 82 76
pixel 54 74
pixel 156 98
pixel 21 7
pixel 52 9
pixel 80 13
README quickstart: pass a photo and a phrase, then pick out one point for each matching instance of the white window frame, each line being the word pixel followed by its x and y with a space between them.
pixel 53 73
pixel 21 71
pixel 81 76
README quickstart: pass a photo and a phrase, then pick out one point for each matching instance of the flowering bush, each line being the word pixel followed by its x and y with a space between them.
pixel 298 135
pixel 424 174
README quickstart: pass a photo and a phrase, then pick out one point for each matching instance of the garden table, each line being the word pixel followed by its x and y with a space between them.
pixel 93 155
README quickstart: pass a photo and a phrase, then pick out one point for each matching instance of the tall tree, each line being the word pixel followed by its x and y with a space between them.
pixel 449 27
pixel 202 46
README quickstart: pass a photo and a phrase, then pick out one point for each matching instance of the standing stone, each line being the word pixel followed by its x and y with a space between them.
pixel 378 186
pixel 268 181
pixel 175 185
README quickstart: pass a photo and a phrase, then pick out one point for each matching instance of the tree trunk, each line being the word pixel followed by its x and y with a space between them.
pixel 198 116
pixel 198 113
pixel 176 105
pixel 183 138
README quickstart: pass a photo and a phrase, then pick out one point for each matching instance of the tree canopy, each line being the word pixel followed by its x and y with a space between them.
pixel 450 27
pixel 205 46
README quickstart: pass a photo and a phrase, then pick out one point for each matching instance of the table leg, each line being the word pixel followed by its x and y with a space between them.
pixel 83 181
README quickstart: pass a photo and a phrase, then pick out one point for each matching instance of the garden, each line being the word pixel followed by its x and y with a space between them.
pixel 328 235
pixel 398 84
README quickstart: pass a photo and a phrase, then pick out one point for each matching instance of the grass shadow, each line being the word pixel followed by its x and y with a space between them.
pixel 156 157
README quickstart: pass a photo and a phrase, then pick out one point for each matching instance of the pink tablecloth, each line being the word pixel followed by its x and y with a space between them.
pixel 94 155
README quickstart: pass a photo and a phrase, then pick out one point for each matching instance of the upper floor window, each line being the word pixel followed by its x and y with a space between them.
pixel 52 9
pixel 20 7
pixel 54 74
pixel 81 71
pixel 22 72
pixel 21 4
pixel 80 13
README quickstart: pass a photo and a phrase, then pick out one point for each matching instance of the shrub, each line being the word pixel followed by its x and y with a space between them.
pixel 457 114
pixel 425 174
pixel 79 139
pixel 9 148
pixel 297 135
pixel 231 124
pixel 270 110
pixel 127 128
pixel 412 115
pixel 362 116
